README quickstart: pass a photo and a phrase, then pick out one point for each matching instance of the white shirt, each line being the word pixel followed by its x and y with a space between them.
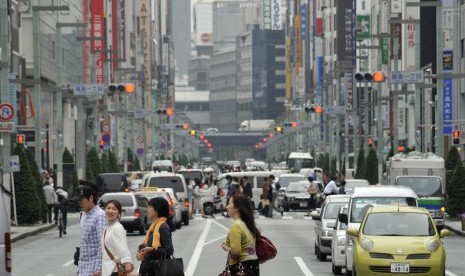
pixel 116 242
pixel 62 192
pixel 331 188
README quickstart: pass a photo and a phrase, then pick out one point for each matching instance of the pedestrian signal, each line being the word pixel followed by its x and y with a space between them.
pixel 456 137
pixel 20 139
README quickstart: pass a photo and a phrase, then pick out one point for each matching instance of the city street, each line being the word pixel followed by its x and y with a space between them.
pixel 199 245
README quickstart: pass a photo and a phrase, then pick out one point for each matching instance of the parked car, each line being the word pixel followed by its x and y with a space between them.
pixel 174 181
pixel 284 180
pixel 338 257
pixel 192 174
pixel 5 235
pixel 174 219
pixel 327 214
pixel 134 213
pixel 111 183
pixel 398 239
pixel 296 195
pixel 162 166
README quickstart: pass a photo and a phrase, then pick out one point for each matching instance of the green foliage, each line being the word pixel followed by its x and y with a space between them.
pixel 371 167
pixel 452 158
pixel 38 183
pixel 131 159
pixel 67 157
pixel 28 205
pixel 112 162
pixel 333 166
pixel 137 164
pixel 360 172
pixel 105 162
pixel 93 165
pixel 456 202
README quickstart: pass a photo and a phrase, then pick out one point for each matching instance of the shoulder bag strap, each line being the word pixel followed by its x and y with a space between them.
pixel 106 249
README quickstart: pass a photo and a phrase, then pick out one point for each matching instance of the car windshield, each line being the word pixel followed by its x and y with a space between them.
pixel 191 175
pixel 422 186
pixel 332 209
pixel 125 200
pixel 299 163
pixel 297 187
pixel 285 180
pixel 167 182
pixel 398 224
pixel 360 205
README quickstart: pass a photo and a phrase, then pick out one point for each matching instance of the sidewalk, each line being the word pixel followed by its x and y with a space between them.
pixel 455 226
pixel 21 232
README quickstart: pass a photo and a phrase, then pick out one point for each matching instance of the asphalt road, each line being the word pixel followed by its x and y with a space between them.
pixel 199 245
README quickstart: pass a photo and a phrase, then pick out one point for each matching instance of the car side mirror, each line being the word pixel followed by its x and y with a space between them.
pixel 315 215
pixel 343 218
pixel 352 232
pixel 444 233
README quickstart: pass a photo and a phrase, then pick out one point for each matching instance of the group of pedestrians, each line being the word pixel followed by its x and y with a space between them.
pixel 103 244
pixel 269 195
pixel 56 199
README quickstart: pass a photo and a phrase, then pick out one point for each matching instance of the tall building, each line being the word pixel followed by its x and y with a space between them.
pixel 182 35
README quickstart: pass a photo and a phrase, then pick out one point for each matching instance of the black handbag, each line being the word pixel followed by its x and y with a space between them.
pixel 227 270
pixel 168 267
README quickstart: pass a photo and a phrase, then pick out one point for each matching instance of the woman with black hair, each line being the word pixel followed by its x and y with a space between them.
pixel 158 242
pixel 240 242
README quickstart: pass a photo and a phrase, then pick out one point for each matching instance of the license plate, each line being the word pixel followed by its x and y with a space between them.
pixel 400 267
pixel 303 204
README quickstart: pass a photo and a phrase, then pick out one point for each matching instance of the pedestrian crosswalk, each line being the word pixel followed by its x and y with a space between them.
pixel 286 216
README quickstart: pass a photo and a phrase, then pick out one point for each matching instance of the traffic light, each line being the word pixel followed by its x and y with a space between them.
pixel 314 109
pixel 167 111
pixel 21 139
pixel 370 142
pixel 456 137
pixel 183 126
pixel 192 132
pixel 101 143
pixel 376 76
pixel 122 87
pixel 279 129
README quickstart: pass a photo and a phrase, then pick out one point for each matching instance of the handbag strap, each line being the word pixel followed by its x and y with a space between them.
pixel 106 249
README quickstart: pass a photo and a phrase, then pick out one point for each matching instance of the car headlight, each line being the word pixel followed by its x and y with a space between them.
pixel 327 233
pixel 366 244
pixel 432 245
pixel 341 241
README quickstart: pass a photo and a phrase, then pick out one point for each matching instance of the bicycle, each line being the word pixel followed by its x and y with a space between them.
pixel 60 223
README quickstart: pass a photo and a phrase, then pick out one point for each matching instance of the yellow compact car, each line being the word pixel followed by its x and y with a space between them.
pixel 398 240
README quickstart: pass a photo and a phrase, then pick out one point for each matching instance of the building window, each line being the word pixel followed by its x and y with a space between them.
pixel 201 76
pixel 280 72
pixel 280 86
pixel 280 59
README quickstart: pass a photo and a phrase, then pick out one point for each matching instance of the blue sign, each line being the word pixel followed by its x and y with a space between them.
pixel 448 106
pixel 106 137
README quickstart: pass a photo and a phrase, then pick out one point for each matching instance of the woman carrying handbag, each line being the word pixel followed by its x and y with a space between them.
pixel 116 257
pixel 240 243
pixel 158 242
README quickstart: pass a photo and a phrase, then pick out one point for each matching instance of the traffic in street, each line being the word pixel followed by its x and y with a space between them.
pixel 198 244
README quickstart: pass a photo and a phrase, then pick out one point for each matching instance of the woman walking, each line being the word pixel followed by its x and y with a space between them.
pixel 240 242
pixel 158 242
pixel 115 247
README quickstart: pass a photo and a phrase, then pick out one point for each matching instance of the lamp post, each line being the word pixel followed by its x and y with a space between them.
pixel 37 74
pixel 59 102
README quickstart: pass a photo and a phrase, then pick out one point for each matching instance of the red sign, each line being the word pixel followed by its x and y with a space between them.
pixel 6 112
pixel 98 30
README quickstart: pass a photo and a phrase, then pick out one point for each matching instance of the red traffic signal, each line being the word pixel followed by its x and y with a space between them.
pixel 370 141
pixel 20 139
pixel 456 137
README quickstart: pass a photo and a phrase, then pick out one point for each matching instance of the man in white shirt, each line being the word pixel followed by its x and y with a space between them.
pixel 331 187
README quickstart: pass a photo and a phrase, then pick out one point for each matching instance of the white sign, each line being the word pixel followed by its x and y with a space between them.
pixel 396 6
pixel 410 77
pixel 84 89
pixel 14 163
pixel 7 127
pixel 272 14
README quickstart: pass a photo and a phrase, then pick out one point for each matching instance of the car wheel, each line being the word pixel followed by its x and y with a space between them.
pixel 316 250
pixel 208 209
pixel 337 270
pixel 321 256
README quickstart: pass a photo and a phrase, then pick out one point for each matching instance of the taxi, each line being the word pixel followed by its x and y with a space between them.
pixel 397 240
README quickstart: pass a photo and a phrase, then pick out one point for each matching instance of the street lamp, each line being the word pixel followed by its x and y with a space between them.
pixel 59 97
pixel 37 75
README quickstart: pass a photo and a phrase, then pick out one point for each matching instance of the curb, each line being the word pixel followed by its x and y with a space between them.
pixel 458 232
pixel 31 233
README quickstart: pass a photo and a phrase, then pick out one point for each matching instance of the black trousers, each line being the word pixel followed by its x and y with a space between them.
pixel 251 267
pixel 49 212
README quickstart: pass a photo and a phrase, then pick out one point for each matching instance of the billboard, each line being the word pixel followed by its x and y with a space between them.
pixel 271 14
pixel 97 30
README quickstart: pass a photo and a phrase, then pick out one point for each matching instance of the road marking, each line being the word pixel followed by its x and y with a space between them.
pixel 220 225
pixel 68 263
pixel 450 273
pixel 198 250
pixel 215 240
pixel 303 266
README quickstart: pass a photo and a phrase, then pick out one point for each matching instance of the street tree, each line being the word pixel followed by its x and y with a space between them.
pixel 69 159
pixel 371 167
pixel 456 202
pixel 105 162
pixel 93 165
pixel 112 162
pixel 137 163
pixel 38 183
pixel 452 158
pixel 360 172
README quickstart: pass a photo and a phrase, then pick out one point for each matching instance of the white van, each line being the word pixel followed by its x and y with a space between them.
pixel 256 179
pixel 174 181
pixel 162 166
pixel 365 197
pixel 5 238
